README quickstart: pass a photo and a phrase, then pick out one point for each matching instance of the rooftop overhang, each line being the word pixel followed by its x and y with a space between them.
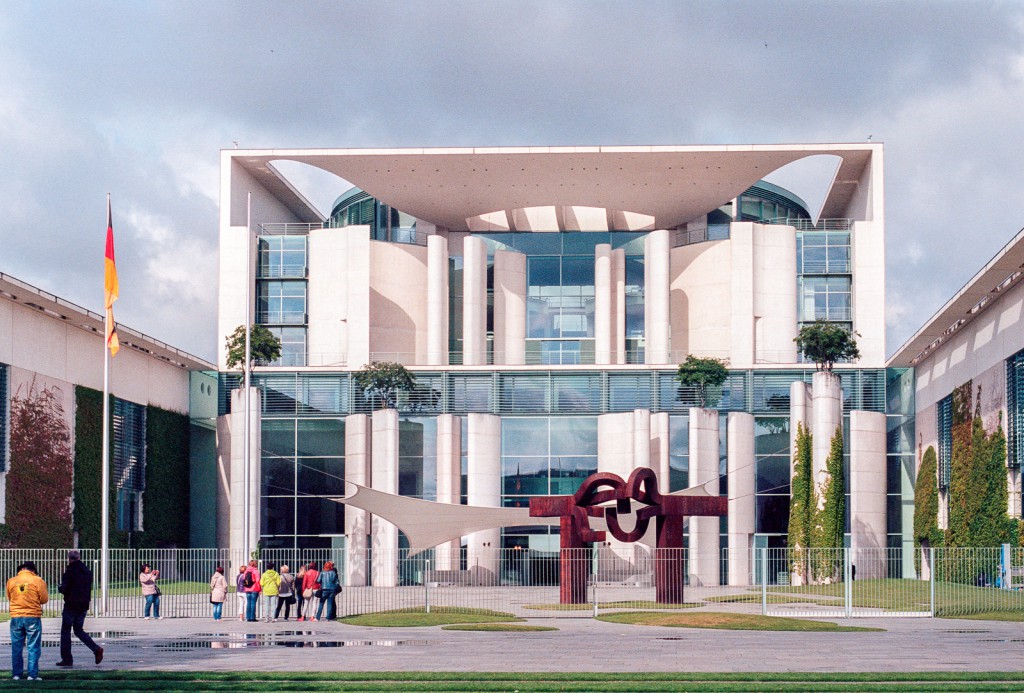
pixel 56 308
pixel 672 184
pixel 979 294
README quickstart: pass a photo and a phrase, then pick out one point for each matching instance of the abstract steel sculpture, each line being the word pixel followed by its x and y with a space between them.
pixel 602 488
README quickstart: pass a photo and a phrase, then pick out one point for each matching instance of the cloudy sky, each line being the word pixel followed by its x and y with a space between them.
pixel 137 98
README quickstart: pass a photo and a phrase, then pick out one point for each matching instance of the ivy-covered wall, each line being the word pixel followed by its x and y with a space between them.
pixel 165 501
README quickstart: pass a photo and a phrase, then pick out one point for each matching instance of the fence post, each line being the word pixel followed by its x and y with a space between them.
pixel 764 581
pixel 848 583
pixel 593 585
pixel 426 584
pixel 931 580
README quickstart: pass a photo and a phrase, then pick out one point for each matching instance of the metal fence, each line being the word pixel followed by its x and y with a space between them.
pixel 944 582
pixel 835 583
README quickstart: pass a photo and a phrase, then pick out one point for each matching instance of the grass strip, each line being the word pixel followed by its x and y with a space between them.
pixel 418 617
pixel 772 599
pixel 724 621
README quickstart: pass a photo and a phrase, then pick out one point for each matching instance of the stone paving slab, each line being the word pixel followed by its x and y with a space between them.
pixel 579 645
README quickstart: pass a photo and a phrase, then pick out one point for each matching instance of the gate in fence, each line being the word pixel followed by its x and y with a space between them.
pixel 830 583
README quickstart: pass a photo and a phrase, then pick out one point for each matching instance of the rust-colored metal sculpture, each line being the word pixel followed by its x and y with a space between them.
pixel 603 488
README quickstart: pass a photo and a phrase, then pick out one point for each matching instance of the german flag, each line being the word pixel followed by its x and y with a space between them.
pixel 110 288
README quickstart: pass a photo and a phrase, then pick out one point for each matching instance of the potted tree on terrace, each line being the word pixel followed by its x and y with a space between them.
pixel 701 373
pixel 382 381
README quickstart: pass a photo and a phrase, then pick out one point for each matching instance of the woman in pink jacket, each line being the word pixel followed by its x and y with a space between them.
pixel 310 584
pixel 252 590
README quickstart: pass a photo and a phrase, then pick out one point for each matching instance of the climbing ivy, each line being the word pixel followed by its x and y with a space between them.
pixel 802 501
pixel 828 523
pixel 926 506
pixel 165 501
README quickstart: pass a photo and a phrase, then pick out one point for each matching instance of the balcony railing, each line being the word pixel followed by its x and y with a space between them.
pixel 281 317
pixel 809 225
pixel 282 272
pixel 829 267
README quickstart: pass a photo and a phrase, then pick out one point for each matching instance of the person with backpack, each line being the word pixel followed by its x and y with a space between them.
pixel 26 594
pixel 76 586
pixel 329 588
pixel 251 583
pixel 310 586
pixel 240 590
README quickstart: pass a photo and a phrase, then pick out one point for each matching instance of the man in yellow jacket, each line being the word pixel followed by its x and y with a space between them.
pixel 26 592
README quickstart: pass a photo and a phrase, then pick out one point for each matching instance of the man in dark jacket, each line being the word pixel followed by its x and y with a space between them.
pixel 76 586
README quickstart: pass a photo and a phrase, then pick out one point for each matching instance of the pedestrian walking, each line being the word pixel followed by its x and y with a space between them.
pixel 329 588
pixel 286 593
pixel 300 575
pixel 151 591
pixel 240 590
pixel 251 581
pixel 310 587
pixel 26 593
pixel 76 586
pixel 218 592
pixel 270 585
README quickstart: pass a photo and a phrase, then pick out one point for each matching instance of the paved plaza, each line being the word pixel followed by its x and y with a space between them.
pixel 186 644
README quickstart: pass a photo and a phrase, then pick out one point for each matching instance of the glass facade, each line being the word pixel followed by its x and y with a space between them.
pixel 546 456
pixel 1015 410
pixel 302 466
pixel 824 277
pixel 281 270
pixel 771 475
pixel 5 415
pixel 128 454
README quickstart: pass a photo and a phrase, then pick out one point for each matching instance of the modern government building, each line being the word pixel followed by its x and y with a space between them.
pixel 543 298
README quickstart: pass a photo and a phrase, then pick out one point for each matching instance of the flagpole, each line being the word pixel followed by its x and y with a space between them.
pixel 105 476
pixel 246 500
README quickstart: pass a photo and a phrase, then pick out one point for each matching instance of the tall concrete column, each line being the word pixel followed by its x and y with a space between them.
pixel 705 561
pixel 799 414
pixel 357 521
pixel 657 278
pixel 384 477
pixel 237 486
pixel 483 488
pixel 827 415
pixel 868 517
pixel 437 300
pixel 660 449
pixel 741 243
pixel 604 305
pixel 509 308
pixel 619 305
pixel 741 475
pixel 474 302
pixel 449 481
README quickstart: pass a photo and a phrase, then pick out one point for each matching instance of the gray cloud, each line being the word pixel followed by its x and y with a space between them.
pixel 136 99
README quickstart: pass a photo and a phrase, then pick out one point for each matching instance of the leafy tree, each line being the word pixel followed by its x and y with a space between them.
pixel 39 483
pixel 264 347
pixel 926 505
pixel 382 381
pixel 702 373
pixel 830 520
pixel 827 342
pixel 802 501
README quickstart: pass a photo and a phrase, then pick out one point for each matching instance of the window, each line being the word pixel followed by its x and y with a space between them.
pixel 772 474
pixel 823 252
pixel 293 346
pixel 281 303
pixel 825 298
pixel 128 441
pixel 541 456
pixel 282 257
pixel 944 412
pixel 1015 409
pixel 4 417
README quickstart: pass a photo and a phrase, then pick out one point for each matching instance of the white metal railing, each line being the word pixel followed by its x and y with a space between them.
pixel 526 582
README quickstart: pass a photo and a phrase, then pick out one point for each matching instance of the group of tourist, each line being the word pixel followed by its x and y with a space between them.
pixel 302 589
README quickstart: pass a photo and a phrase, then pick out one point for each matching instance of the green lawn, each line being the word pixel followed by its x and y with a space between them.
pixel 724 621
pixel 522 682
pixel 639 604
pixel 951 599
pixel 417 616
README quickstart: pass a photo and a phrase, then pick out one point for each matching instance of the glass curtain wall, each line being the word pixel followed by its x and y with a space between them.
pixel 281 271
pixel 302 467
